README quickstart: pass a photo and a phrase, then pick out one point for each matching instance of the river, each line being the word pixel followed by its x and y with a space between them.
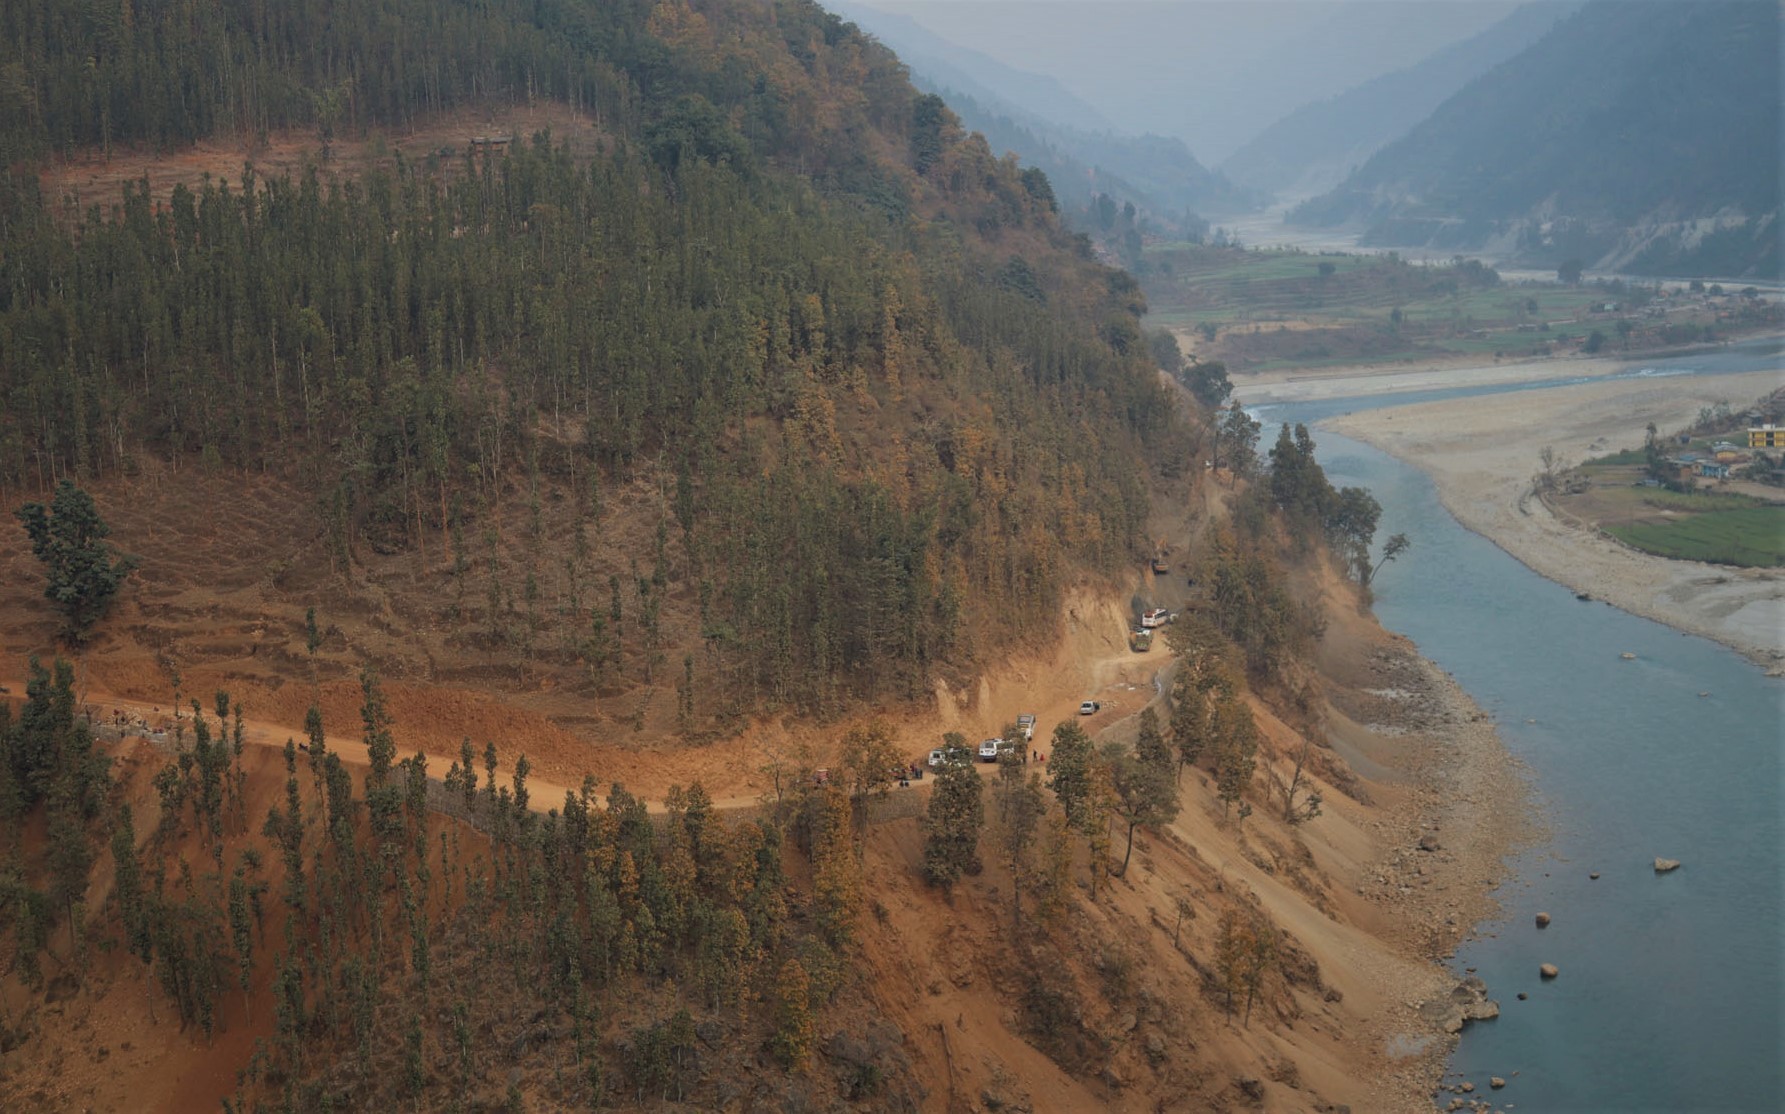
pixel 1670 991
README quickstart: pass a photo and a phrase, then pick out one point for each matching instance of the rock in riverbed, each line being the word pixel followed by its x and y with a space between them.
pixel 1468 1001
pixel 1548 971
pixel 1543 920
pixel 1662 866
pixel 1496 1082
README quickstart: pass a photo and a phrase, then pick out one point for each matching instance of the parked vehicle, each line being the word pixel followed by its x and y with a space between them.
pixel 988 750
pixel 1026 724
pixel 1160 568
pixel 1140 641
pixel 1157 617
pixel 941 756
pixel 1089 708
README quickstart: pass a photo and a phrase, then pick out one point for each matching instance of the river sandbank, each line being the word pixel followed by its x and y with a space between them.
pixel 1290 385
pixel 1483 451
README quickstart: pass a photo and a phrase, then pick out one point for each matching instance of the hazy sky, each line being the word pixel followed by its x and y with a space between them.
pixel 1215 72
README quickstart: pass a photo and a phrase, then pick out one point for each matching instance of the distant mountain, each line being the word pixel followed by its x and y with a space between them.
pixel 942 64
pixel 1312 149
pixel 1641 136
pixel 1083 154
pixel 1156 174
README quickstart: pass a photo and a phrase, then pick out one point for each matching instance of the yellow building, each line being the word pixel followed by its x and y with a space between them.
pixel 1766 437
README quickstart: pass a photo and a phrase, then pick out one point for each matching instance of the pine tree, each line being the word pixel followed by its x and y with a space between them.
pixel 242 938
pixel 68 537
pixel 70 860
pixel 868 761
pixel 1054 882
pixel 381 748
pixel 836 871
pixel 415 1074
pixel 127 888
pixel 1201 677
pixel 1020 807
pixel 1232 943
pixel 467 775
pixel 1236 753
pixel 1145 795
pixel 795 1029
pixel 953 822
pixel 1069 772
pixel 1099 813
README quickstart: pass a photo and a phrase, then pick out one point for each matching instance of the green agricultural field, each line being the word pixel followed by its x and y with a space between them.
pixel 1621 458
pixel 1223 284
pixel 1751 537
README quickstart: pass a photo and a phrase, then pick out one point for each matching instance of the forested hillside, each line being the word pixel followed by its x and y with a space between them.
pixel 790 288
pixel 668 454
pixel 1639 136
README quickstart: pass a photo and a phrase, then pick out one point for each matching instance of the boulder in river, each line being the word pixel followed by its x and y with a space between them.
pixel 1467 1001
pixel 1543 920
pixel 1496 1082
pixel 1593 877
pixel 1662 866
pixel 1548 971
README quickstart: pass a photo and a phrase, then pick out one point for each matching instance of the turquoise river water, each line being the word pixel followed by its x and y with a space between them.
pixel 1670 991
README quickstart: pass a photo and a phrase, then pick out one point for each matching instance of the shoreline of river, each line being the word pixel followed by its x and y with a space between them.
pixel 1480 453
pixel 1477 805
pixel 1582 694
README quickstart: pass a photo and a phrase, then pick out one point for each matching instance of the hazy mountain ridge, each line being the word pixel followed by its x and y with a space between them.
pixel 1643 136
pixel 1044 124
pixel 939 64
pixel 1312 149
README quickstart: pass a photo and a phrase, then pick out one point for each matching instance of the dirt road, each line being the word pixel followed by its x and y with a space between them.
pixel 1123 696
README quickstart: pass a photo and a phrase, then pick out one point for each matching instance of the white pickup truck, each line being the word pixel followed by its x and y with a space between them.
pixel 1026 724
pixel 941 756
pixel 1157 617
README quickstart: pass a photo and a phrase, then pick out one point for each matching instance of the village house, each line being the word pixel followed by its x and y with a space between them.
pixel 1767 436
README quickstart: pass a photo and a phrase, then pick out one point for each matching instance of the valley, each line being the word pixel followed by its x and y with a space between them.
pixel 504 500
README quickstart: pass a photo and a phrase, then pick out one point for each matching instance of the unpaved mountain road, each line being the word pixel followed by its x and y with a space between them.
pixel 140 718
